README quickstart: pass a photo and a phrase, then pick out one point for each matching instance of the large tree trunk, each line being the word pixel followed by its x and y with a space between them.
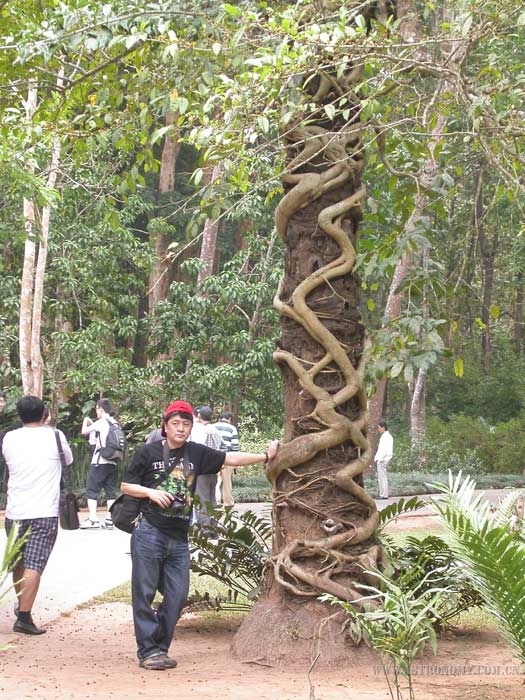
pixel 324 521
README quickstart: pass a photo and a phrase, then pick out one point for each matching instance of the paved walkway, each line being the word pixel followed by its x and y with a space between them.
pixel 83 564
pixel 87 563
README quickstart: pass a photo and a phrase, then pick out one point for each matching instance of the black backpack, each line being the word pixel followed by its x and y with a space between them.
pixel 115 443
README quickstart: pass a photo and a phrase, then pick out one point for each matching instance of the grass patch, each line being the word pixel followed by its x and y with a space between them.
pixel 119 594
pixel 476 619
pixel 122 594
pixel 250 484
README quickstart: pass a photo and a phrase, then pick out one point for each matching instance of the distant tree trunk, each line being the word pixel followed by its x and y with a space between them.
pixel 28 271
pixel 517 319
pixel 33 271
pixel 159 279
pixel 487 250
pixel 410 28
pixel 417 407
pixel 209 234
pixel 376 404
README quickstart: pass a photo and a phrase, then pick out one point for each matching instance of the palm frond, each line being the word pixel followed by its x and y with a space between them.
pixel 495 557
pixel 506 508
pixel 12 551
pixel 400 507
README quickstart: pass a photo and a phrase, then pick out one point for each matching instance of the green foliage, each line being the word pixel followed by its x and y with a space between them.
pixel 233 552
pixel 400 507
pixel 396 623
pixel 496 396
pixel 421 563
pixel 438 451
pixel 232 76
pixel 12 552
pixel 462 443
pixel 418 564
pixel 493 554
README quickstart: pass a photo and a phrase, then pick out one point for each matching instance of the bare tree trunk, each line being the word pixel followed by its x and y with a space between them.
pixel 209 235
pixel 517 318
pixel 32 287
pixel 376 404
pixel 487 252
pixel 28 270
pixel 159 280
pixel 411 30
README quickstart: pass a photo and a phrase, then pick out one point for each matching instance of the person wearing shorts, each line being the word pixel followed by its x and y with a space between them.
pixel 33 492
pixel 102 473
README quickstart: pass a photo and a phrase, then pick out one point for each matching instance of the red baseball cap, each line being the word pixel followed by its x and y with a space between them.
pixel 175 407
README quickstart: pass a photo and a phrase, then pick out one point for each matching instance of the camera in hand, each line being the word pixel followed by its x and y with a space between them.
pixel 178 504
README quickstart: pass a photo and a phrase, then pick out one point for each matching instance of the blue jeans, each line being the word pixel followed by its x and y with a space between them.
pixel 159 563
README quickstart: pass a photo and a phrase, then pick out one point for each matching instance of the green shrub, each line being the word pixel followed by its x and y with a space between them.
pixel 462 443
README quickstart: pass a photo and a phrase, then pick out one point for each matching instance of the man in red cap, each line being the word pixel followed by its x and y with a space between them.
pixel 164 474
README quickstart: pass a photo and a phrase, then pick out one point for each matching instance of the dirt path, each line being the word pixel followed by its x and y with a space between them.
pixel 90 655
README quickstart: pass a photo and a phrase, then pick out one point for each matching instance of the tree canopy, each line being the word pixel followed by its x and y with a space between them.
pixel 87 89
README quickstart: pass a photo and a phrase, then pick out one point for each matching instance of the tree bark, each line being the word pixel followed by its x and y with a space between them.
pixel 209 236
pixel 159 279
pixel 32 286
pixel 517 317
pixel 324 521
pixel 28 270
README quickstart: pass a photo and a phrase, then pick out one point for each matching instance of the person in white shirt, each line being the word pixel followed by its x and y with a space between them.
pixel 102 473
pixel 230 441
pixel 204 432
pixel 33 492
pixel 384 452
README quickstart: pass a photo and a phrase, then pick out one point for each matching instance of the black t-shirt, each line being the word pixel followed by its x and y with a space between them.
pixel 186 463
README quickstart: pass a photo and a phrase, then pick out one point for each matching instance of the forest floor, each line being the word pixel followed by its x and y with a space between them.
pixel 90 654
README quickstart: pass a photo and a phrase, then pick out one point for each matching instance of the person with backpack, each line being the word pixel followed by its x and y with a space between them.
pixel 164 474
pixel 102 472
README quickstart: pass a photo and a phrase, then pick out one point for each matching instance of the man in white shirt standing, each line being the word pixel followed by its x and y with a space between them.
pixel 385 450
pixel 230 441
pixel 33 492
pixel 206 484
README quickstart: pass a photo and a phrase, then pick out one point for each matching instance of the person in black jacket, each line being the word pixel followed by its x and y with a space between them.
pixel 159 541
